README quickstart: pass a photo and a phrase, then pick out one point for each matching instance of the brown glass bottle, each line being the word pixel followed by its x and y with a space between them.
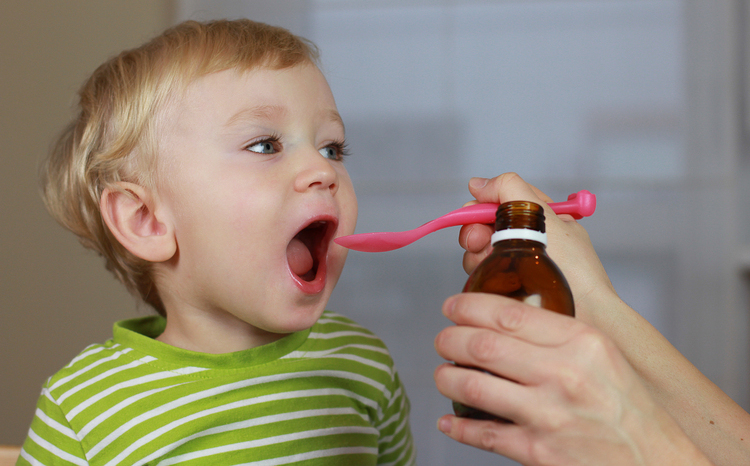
pixel 519 267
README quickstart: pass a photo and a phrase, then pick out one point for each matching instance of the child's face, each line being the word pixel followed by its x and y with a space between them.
pixel 252 177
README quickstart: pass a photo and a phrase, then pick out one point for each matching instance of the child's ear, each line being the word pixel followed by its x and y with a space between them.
pixel 131 215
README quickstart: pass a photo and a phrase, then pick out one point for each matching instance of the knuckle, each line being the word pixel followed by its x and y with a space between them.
pixel 484 347
pixel 573 382
pixel 592 350
pixel 508 178
pixel 512 318
pixel 554 420
pixel 472 390
pixel 484 436
pixel 591 340
pixel 458 431
pixel 488 438
pixel 594 346
pixel 541 453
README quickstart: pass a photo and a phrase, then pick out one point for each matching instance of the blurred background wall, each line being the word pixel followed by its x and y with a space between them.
pixel 640 101
pixel 55 296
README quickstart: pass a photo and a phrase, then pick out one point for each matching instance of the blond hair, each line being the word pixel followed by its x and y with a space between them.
pixel 113 134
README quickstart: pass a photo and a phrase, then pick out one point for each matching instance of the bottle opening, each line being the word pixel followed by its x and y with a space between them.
pixel 520 215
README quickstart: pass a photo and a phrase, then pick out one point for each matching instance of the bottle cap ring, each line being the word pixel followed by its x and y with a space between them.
pixel 519 233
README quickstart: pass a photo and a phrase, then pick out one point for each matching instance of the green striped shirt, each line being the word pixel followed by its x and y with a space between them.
pixel 329 395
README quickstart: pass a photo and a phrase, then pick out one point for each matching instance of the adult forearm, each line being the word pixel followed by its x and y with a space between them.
pixel 710 418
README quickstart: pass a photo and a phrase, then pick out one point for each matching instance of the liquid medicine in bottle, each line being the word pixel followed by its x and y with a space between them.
pixel 519 267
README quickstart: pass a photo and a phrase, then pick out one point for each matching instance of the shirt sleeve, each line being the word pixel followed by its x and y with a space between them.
pixel 50 440
pixel 396 445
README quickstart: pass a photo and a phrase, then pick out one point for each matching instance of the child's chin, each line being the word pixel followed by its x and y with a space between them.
pixel 303 321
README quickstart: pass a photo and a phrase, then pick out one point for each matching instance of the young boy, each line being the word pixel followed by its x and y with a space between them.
pixel 207 168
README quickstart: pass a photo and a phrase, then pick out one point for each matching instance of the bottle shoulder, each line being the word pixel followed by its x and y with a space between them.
pixel 525 258
pixel 519 245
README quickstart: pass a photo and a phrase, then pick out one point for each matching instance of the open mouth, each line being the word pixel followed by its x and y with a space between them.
pixel 306 252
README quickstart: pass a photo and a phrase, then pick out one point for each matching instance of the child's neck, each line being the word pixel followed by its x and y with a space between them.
pixel 208 334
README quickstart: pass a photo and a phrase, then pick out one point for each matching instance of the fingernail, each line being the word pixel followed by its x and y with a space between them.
pixel 478 183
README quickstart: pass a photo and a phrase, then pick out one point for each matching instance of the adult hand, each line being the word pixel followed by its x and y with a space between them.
pixel 569 243
pixel 572 396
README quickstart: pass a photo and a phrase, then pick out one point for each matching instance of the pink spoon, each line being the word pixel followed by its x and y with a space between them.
pixel 579 205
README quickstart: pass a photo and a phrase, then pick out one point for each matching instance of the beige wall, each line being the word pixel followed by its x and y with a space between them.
pixel 55 296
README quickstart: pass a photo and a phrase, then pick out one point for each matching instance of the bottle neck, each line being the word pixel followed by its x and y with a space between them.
pixel 521 220
pixel 519 233
pixel 520 215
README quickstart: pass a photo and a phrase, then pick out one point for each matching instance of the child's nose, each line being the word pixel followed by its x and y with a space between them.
pixel 316 172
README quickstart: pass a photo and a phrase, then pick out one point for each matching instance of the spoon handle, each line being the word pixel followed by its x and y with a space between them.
pixel 579 205
pixel 477 213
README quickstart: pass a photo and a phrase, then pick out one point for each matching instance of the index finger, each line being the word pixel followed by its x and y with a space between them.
pixel 510 317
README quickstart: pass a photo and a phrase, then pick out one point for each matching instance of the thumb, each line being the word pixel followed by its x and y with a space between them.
pixel 504 188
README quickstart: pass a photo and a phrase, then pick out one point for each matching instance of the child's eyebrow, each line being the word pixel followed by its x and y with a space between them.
pixel 274 113
pixel 335 117
pixel 261 112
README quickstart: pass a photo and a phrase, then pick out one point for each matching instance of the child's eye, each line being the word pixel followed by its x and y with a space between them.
pixel 335 151
pixel 265 146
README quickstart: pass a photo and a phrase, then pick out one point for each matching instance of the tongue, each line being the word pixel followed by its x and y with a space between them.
pixel 299 257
